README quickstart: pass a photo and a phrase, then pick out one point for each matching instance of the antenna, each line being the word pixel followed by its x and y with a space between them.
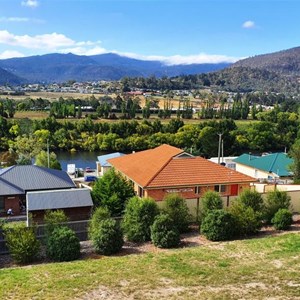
pixel 219 148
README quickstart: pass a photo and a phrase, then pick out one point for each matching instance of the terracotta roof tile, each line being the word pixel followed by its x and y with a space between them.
pixel 196 171
pixel 142 166
pixel 159 167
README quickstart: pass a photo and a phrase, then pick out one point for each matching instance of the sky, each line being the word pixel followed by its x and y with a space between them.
pixel 172 31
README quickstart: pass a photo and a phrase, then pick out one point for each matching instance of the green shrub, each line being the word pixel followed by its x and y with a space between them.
pixel 54 219
pixel 100 214
pixel 247 220
pixel 274 201
pixel 63 244
pixel 21 242
pixel 108 238
pixel 211 200
pixel 175 206
pixel 164 233
pixel 218 225
pixel 138 217
pixel 252 199
pixel 283 219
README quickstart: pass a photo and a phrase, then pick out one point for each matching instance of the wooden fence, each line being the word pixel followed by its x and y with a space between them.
pixel 80 228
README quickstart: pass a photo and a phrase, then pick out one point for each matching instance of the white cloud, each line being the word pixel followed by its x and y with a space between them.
pixel 45 41
pixel 20 20
pixel 85 51
pixel 50 41
pixel 14 19
pixel 56 42
pixel 10 54
pixel 201 58
pixel 30 3
pixel 248 24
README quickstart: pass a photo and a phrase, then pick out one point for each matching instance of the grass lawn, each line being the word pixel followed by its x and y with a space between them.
pixel 257 268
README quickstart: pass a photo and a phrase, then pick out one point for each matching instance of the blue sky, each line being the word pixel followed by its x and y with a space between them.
pixel 174 31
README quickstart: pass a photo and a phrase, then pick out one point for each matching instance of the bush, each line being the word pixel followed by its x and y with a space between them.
pixel 54 219
pixel 275 200
pixel 252 199
pixel 164 233
pixel 108 238
pixel 21 242
pixel 218 225
pixel 139 216
pixel 211 200
pixel 63 244
pixel 100 214
pixel 283 219
pixel 176 207
pixel 247 220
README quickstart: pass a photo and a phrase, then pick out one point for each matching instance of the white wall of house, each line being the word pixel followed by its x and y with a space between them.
pixel 256 173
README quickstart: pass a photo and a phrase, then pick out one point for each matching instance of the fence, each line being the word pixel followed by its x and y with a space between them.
pixel 80 228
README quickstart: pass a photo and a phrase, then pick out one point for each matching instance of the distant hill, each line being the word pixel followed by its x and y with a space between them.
pixel 62 67
pixel 286 62
pixel 9 78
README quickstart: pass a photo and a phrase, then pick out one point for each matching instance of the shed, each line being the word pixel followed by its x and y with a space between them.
pixel 102 163
pixel 76 203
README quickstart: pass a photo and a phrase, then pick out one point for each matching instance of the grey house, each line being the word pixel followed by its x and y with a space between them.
pixel 17 181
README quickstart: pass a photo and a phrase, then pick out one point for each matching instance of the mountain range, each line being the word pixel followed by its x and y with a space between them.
pixel 63 67
pixel 273 72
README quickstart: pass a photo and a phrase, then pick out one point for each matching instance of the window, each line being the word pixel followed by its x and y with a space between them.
pixel 2 204
pixel 141 192
pixel 220 188
pixel 197 189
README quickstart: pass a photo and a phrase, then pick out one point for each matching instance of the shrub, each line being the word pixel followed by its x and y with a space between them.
pixel 100 214
pixel 54 219
pixel 247 220
pixel 274 201
pixel 252 199
pixel 21 242
pixel 63 244
pixel 164 233
pixel 282 219
pixel 218 225
pixel 211 200
pixel 176 207
pixel 108 238
pixel 138 217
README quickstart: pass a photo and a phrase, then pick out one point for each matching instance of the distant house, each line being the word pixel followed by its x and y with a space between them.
pixel 102 165
pixel 266 167
pixel 225 161
pixel 166 169
pixel 17 181
pixel 76 203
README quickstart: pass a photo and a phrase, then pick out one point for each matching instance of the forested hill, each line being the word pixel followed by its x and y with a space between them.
pixel 56 67
pixel 286 62
pixel 9 78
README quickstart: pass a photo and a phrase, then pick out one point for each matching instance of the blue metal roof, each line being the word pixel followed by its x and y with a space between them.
pixel 103 158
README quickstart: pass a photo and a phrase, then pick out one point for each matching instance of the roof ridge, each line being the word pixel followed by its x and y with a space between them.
pixel 162 167
pixel 273 162
pixel 5 170
pixel 12 184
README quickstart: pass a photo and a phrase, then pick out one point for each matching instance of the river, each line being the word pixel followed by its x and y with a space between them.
pixel 81 159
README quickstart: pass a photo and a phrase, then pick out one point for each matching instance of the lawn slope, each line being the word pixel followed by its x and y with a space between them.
pixel 249 269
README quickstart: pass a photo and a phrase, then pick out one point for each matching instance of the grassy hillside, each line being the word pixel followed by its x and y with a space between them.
pixel 250 269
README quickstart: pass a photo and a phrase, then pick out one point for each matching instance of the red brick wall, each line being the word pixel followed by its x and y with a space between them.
pixel 74 214
pixel 13 203
pixel 188 192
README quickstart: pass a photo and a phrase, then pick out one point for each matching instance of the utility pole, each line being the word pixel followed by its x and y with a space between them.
pixel 219 148
pixel 48 155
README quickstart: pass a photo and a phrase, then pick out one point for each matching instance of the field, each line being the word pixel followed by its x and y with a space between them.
pixel 258 268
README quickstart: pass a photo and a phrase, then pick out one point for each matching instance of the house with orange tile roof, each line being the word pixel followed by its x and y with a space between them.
pixel 166 169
